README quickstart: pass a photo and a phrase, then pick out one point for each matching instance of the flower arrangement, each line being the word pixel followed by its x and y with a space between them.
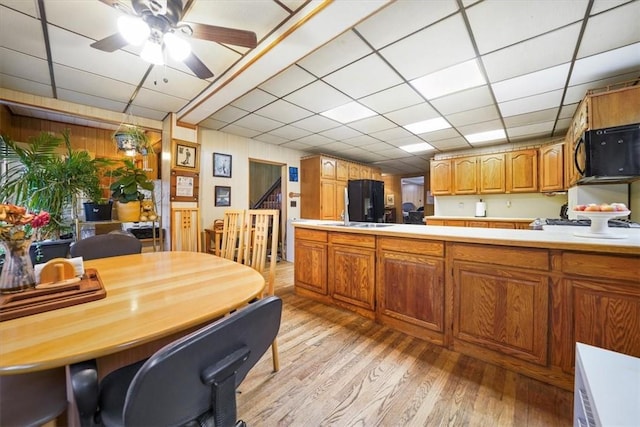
pixel 17 225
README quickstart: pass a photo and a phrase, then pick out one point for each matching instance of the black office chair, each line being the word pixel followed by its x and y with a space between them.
pixel 191 381
pixel 34 398
pixel 105 246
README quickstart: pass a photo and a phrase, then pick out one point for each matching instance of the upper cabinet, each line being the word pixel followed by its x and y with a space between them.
pixel 551 168
pixel 492 173
pixel 441 174
pixel 465 175
pixel 522 171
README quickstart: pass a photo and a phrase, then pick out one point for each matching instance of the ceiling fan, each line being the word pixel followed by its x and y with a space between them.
pixel 157 24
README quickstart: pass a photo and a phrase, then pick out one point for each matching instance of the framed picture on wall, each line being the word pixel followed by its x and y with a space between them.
pixel 222 196
pixel 222 165
pixel 185 156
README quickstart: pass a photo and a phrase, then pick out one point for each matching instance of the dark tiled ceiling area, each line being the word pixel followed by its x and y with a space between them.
pixel 517 69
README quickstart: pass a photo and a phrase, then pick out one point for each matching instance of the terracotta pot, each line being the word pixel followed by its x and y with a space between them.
pixel 128 212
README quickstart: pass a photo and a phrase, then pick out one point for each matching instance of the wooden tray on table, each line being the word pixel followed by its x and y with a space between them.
pixel 34 301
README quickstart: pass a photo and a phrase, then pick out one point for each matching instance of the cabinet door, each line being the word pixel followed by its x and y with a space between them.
pixel 522 171
pixel 615 108
pixel 311 266
pixel 328 168
pixel 342 170
pixel 354 171
pixel 502 224
pixel 441 177
pixel 328 191
pixel 412 289
pixel 552 168
pixel 492 173
pixel 501 309
pixel 479 224
pixel 352 275
pixel 340 189
pixel 464 176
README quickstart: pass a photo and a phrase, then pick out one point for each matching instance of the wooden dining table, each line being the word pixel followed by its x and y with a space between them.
pixel 151 299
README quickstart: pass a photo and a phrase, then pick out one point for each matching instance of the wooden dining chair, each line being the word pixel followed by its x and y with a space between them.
pixel 232 235
pixel 260 243
pixel 185 229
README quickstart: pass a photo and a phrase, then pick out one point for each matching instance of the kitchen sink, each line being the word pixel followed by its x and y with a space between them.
pixel 369 225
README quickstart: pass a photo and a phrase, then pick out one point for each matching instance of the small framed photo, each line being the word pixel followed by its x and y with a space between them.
pixel 390 200
pixel 222 196
pixel 222 165
pixel 185 156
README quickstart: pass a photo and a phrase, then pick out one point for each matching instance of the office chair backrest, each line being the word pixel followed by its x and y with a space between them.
pixel 170 388
pixel 105 246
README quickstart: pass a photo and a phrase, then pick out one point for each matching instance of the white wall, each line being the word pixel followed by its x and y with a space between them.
pixel 242 150
pixel 527 205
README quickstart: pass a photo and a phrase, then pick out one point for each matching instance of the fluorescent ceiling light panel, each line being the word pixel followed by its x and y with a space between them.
pixel 491 135
pixel 453 79
pixel 349 112
pixel 416 148
pixel 425 126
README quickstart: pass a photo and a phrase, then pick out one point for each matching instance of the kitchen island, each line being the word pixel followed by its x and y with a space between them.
pixel 517 298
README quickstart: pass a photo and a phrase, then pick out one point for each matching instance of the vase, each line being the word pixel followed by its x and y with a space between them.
pixel 17 272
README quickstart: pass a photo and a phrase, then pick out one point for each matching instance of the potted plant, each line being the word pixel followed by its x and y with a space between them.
pixel 125 190
pixel 132 139
pixel 46 174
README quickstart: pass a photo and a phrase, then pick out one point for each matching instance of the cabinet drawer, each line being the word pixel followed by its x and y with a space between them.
pixel 361 240
pixel 313 235
pixel 418 247
pixel 601 266
pixel 531 259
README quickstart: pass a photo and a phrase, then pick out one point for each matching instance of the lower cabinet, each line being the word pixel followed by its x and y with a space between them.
pixel 410 287
pixel 310 261
pixel 352 271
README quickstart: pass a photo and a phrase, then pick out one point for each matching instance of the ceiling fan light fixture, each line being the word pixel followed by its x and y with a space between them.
pixel 134 30
pixel 179 48
pixel 152 52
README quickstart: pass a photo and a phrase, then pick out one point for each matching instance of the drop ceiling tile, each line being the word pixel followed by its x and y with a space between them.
pixel 361 141
pixel 210 123
pixel 229 114
pixel 254 100
pixel 366 76
pixel 316 124
pixel 80 81
pixel 602 5
pixel 315 140
pixel 152 99
pixel 372 124
pixel 298 145
pixel 450 144
pixel 377 146
pixel 562 126
pixel 26 86
pixel 477 115
pixel 536 129
pixel 413 114
pixel 599 37
pixel 466 100
pixel 317 97
pixel 174 82
pixel 499 24
pixel 336 54
pixel 289 132
pixel 440 134
pixel 442 45
pixel 336 147
pixel 341 133
pixel 480 127
pixel 214 56
pixel 613 62
pixel 567 111
pixel 395 153
pixel 577 93
pixel 531 84
pixel 23 66
pixel 240 131
pixel 271 139
pixel 389 135
pixel 541 116
pixel 151 113
pixel 395 98
pixel 284 112
pixel 98 19
pixel 287 81
pixel 12 27
pixel 531 103
pixel 259 123
pixel 402 18
pixel 90 100
pixel 538 53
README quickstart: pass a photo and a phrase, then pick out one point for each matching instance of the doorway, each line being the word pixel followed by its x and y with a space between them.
pixel 415 200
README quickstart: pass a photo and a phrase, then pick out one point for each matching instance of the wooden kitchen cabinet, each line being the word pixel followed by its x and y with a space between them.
pixel 551 168
pixel 491 172
pixel 354 171
pixel 522 171
pixel 465 175
pixel 410 287
pixel 322 183
pixel 310 261
pixel 441 177
pixel 352 272
pixel 501 301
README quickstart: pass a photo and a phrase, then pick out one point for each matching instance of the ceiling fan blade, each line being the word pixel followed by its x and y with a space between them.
pixel 111 43
pixel 223 35
pixel 197 66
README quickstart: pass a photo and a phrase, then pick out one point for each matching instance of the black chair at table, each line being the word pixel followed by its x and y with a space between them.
pixel 191 381
pixel 105 246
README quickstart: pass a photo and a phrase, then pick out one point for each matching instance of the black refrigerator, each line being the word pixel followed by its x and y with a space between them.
pixel 366 200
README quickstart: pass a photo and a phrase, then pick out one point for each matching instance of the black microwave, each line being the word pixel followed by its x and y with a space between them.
pixel 609 155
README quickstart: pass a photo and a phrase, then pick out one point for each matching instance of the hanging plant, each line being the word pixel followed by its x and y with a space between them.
pixel 132 139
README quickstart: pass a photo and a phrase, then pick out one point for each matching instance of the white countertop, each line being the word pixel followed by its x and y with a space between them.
pixel 558 237
pixel 478 218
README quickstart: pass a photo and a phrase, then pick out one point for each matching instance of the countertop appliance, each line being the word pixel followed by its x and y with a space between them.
pixel 366 200
pixel 609 155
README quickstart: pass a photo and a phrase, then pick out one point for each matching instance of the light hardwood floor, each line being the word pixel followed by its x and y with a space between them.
pixel 339 369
